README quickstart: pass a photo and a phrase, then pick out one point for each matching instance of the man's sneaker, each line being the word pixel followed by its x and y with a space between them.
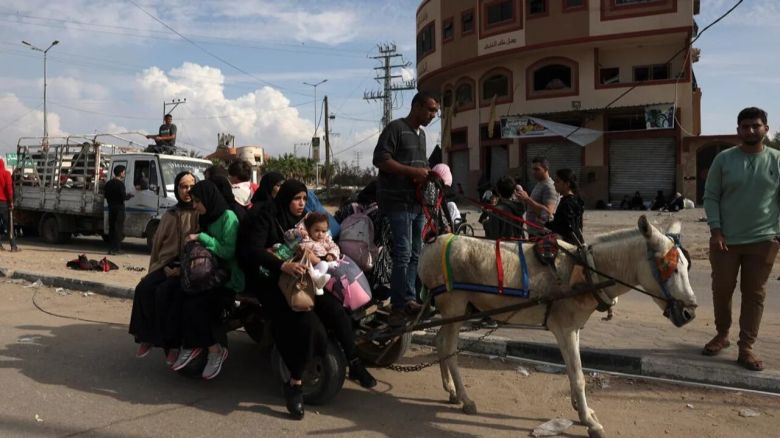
pixel 214 363
pixel 171 355
pixel 186 355
pixel 143 350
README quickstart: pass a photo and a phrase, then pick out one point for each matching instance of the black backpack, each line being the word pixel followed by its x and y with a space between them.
pixel 200 270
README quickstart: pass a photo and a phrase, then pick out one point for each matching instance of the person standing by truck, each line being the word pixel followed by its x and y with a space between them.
pixel 115 197
pixel 7 205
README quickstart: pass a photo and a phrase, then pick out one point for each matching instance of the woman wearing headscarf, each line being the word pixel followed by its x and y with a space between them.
pixel 298 335
pixel 269 187
pixel 154 318
pixel 226 189
pixel 219 231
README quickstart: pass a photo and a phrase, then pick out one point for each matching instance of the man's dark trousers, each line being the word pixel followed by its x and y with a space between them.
pixel 116 226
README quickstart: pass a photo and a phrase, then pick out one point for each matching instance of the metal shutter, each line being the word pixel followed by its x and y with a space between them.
pixel 561 155
pixel 459 165
pixel 645 165
pixel 499 162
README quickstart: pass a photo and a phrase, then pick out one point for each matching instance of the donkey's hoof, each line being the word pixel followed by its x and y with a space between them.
pixel 470 408
pixel 593 433
pixel 453 399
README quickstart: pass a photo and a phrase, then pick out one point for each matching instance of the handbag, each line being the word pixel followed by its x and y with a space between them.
pixel 299 291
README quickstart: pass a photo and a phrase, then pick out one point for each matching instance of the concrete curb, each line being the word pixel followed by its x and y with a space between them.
pixel 74 284
pixel 651 365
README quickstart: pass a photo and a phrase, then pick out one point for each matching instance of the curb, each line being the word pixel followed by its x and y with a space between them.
pixel 71 283
pixel 650 365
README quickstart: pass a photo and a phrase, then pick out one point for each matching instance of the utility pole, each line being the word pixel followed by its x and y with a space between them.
pixel 45 52
pixel 173 103
pixel 387 54
pixel 327 143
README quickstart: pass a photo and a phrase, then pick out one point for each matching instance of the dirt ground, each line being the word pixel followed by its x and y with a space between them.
pixel 63 377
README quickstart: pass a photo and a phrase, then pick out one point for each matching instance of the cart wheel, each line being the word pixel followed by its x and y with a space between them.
pixel 373 352
pixel 50 230
pixel 323 377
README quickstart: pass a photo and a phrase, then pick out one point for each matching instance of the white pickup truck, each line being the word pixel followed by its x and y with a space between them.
pixel 58 188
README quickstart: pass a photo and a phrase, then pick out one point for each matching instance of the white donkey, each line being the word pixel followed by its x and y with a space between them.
pixel 645 257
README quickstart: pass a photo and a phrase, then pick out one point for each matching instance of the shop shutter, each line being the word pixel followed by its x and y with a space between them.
pixel 645 165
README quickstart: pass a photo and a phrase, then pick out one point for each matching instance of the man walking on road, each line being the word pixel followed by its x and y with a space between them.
pixel 401 158
pixel 742 202
pixel 115 197
pixel 7 205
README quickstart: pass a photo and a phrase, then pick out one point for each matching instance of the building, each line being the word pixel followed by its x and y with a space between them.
pixel 572 62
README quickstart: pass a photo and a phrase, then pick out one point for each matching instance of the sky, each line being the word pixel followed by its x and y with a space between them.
pixel 241 67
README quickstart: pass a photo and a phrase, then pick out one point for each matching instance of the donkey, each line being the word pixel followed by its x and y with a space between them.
pixel 636 257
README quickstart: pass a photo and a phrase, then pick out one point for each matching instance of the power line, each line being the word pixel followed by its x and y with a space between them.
pixel 356 144
pixel 20 118
pixel 210 53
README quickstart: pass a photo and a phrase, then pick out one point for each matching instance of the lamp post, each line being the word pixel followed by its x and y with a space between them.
pixel 45 114
pixel 315 101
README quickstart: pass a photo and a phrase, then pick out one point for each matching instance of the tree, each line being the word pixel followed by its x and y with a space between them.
pixel 774 142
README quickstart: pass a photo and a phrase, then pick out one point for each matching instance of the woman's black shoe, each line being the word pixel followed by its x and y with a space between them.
pixel 293 395
pixel 358 372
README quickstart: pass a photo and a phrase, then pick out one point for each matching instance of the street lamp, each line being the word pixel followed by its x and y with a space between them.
pixel 45 114
pixel 315 101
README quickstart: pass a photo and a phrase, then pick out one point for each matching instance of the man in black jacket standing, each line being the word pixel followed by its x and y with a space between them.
pixel 115 197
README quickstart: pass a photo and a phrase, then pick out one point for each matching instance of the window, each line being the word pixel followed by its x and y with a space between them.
pixel 500 12
pixel 633 2
pixel 426 41
pixel 467 22
pixel 446 100
pixel 552 77
pixel 573 4
pixel 459 137
pixel 447 30
pixel 657 72
pixel 609 75
pixel 145 175
pixel 464 95
pixel 537 7
pixel 626 121
pixel 496 84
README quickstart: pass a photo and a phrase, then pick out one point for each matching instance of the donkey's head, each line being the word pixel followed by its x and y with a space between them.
pixel 665 274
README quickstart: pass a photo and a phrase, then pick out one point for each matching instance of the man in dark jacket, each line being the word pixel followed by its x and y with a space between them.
pixel 115 197
pixel 498 226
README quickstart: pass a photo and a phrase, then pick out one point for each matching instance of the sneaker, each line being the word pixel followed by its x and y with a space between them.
pixel 170 356
pixel 143 350
pixel 214 363
pixel 357 371
pixel 186 355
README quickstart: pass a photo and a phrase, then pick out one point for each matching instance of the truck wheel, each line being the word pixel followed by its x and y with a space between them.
pixel 323 377
pixel 151 229
pixel 50 231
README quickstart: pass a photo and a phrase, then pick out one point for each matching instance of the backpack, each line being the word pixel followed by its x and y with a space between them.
pixel 200 269
pixel 349 284
pixel 357 237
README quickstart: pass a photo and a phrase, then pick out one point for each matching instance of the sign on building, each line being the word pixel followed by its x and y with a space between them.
pixel 659 116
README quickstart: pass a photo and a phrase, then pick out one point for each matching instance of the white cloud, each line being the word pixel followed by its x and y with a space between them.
pixel 263 117
pixel 19 120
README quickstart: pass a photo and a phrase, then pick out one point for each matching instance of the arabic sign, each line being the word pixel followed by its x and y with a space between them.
pixel 522 127
pixel 532 127
pixel 659 116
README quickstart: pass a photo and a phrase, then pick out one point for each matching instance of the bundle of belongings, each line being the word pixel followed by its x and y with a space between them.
pixel 84 264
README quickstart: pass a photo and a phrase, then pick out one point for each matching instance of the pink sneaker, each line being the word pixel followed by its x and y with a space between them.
pixel 143 350
pixel 171 356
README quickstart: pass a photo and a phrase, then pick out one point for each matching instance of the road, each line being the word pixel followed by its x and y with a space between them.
pixel 64 378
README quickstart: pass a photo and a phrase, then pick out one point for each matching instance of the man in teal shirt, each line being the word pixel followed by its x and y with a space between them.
pixel 742 202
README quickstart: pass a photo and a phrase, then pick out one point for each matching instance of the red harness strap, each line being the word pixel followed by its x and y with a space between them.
pixel 499 268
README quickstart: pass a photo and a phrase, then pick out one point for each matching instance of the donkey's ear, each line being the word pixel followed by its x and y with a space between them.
pixel 674 228
pixel 644 227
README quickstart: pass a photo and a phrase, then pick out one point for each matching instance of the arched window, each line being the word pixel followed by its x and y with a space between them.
pixel 464 94
pixel 446 98
pixel 496 83
pixel 553 77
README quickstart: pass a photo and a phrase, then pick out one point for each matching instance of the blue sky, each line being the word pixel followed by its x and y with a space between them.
pixel 115 65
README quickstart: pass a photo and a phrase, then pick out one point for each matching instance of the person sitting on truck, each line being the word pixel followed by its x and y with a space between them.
pixel 115 195
pixel 165 140
pixel 218 234
pixel 154 319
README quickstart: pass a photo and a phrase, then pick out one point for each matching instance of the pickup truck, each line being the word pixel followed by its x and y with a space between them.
pixel 58 186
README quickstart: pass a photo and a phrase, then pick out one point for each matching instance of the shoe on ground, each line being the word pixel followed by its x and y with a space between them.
pixel 15 248
pixel 293 396
pixel 186 355
pixel 750 361
pixel 716 344
pixel 214 363
pixel 488 323
pixel 171 355
pixel 357 371
pixel 143 350
pixel 400 316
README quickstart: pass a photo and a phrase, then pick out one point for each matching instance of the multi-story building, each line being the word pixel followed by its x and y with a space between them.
pixel 597 64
